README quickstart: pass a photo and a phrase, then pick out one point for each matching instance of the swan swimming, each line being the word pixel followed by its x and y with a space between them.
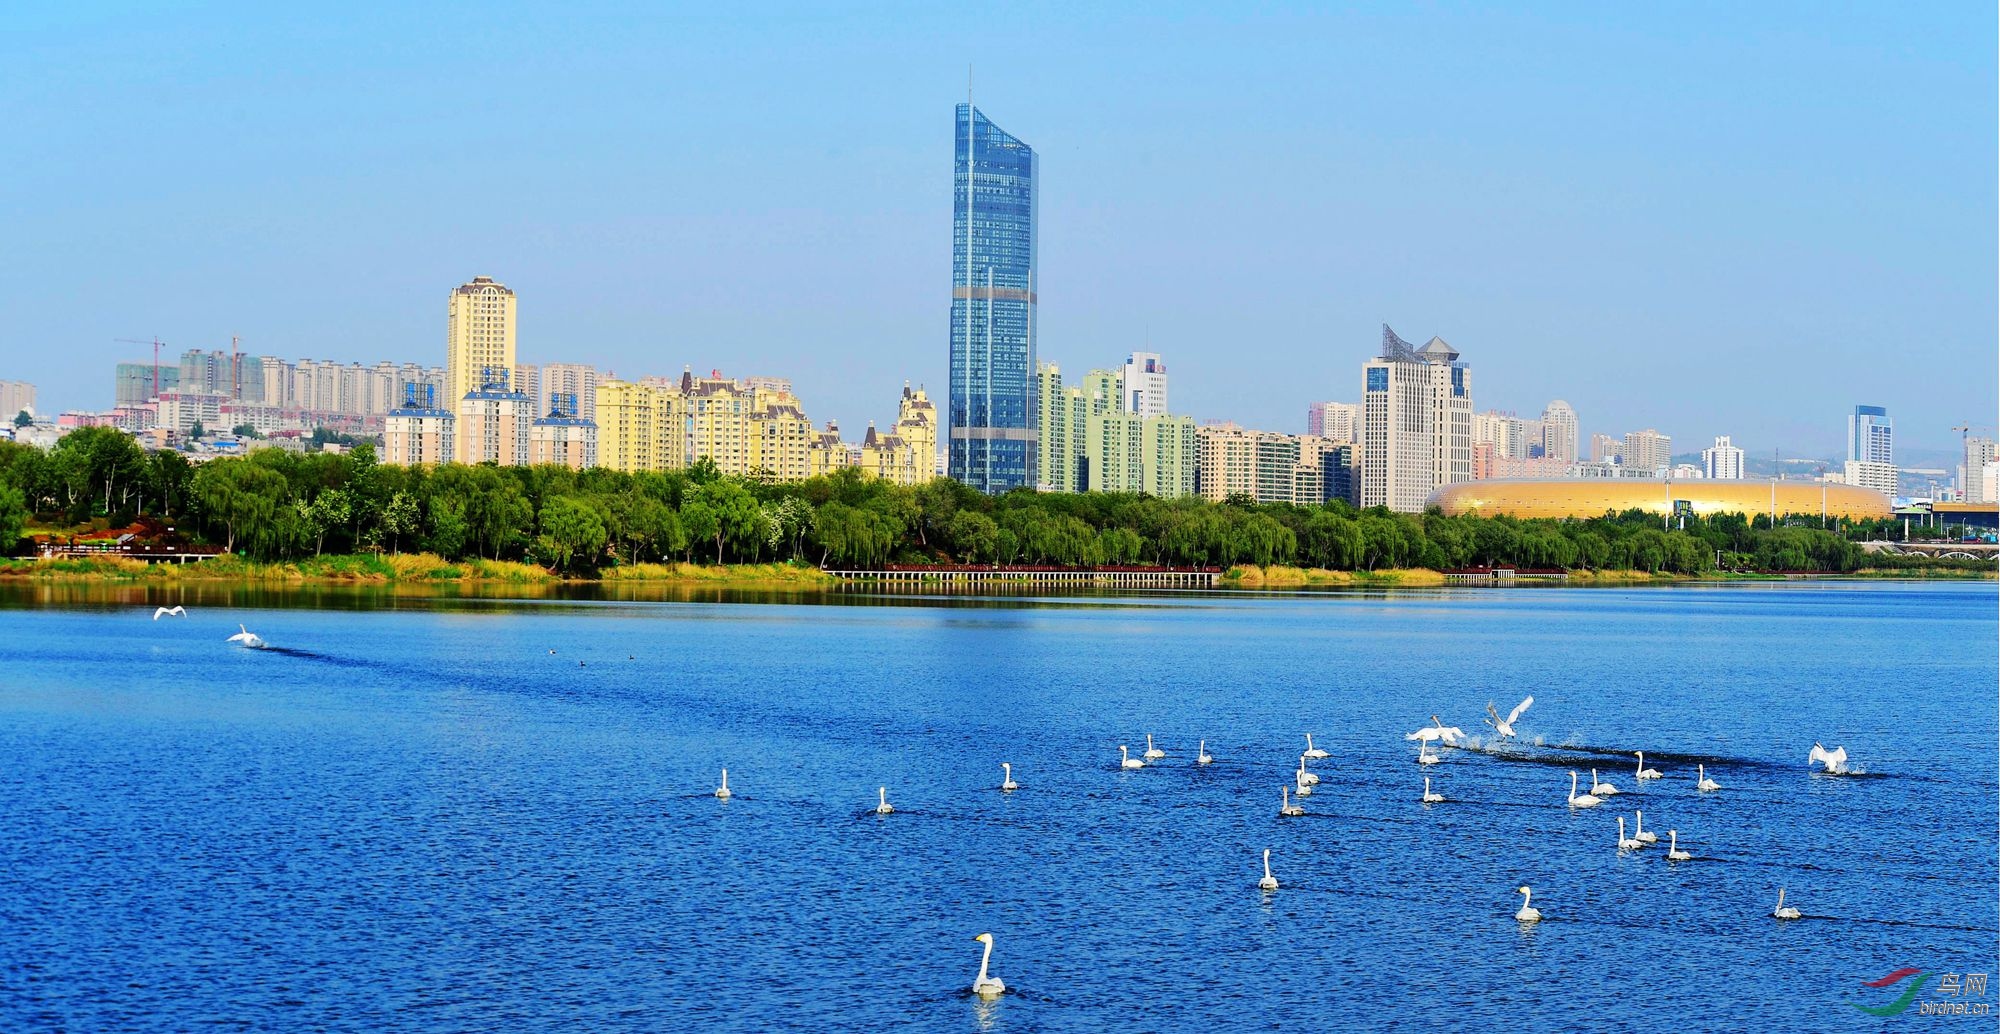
pixel 1644 772
pixel 1153 753
pixel 174 611
pixel 1128 760
pixel 1424 755
pixel 1601 789
pixel 1269 882
pixel 1528 912
pixel 247 638
pixel 1781 912
pixel 883 808
pixel 1835 760
pixel 1201 756
pixel 1626 843
pixel 1285 805
pixel 1584 801
pixel 1008 783
pixel 722 792
pixel 1306 778
pixel 1674 852
pixel 1504 727
pixel 983 985
pixel 1429 797
pixel 1312 751
pixel 1705 783
pixel 1639 829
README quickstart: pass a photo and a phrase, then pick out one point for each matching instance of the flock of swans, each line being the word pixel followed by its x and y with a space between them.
pixel 243 636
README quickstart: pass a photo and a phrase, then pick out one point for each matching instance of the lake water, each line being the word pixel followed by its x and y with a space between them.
pixel 409 814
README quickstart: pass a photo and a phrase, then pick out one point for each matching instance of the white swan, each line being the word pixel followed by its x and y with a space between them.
pixel 1201 755
pixel 722 792
pixel 1528 912
pixel 1504 727
pixel 1306 778
pixel 1835 760
pixel 1285 805
pixel 1269 882
pixel 1128 760
pixel 1008 783
pixel 1312 751
pixel 1644 772
pixel 982 985
pixel 1674 852
pixel 1639 829
pixel 1626 843
pixel 1781 912
pixel 882 796
pixel 1429 797
pixel 1438 730
pixel 1584 801
pixel 1424 755
pixel 1705 783
pixel 1601 789
pixel 175 611
pixel 1153 753
pixel 247 638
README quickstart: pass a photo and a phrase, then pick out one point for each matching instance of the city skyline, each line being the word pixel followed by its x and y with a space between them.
pixel 764 261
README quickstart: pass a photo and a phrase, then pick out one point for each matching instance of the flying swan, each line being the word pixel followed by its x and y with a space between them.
pixel 1438 730
pixel 174 611
pixel 1835 760
pixel 1504 727
pixel 247 638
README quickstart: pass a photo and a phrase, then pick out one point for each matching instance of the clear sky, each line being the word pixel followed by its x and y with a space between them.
pixel 1735 218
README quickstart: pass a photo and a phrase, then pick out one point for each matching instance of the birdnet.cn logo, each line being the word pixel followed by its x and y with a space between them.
pixel 1950 992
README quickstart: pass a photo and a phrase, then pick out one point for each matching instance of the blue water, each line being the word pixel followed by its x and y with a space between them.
pixel 418 818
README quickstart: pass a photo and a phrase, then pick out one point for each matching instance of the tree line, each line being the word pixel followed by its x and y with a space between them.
pixel 277 505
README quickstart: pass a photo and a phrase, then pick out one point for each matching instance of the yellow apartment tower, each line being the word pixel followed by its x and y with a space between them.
pixel 479 334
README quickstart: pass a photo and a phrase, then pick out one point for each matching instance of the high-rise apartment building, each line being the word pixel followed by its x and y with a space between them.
pixel 1416 423
pixel 993 414
pixel 1973 484
pixel 1560 433
pixel 1144 384
pixel 1723 461
pixel 1336 420
pixel 1647 450
pixel 132 383
pixel 1869 474
pixel 527 380
pixel 16 397
pixel 575 379
pixel 1871 435
pixel 560 436
pixel 1268 466
pixel 640 426
pixel 1057 452
pixel 493 422
pixel 479 335
pixel 420 430
pixel 1604 448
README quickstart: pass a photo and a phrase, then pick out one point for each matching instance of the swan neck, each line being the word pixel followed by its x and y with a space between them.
pixel 983 960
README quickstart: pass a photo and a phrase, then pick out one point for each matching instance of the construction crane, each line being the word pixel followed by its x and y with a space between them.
pixel 156 343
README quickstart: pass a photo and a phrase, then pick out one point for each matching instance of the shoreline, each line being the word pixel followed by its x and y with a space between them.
pixel 419 569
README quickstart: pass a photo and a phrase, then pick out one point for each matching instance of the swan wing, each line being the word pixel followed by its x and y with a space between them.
pixel 1427 733
pixel 160 612
pixel 1519 709
pixel 1837 755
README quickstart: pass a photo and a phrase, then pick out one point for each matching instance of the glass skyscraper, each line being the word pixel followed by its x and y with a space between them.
pixel 993 413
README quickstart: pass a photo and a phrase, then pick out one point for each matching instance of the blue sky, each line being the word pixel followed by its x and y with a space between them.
pixel 1727 218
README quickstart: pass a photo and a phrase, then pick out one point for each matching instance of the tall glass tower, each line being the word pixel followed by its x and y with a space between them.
pixel 993 413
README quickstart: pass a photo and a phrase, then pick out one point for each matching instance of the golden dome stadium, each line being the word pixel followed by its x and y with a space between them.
pixel 1591 497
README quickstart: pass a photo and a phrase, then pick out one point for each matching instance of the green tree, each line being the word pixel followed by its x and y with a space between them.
pixel 13 517
pixel 329 510
pixel 974 536
pixel 197 430
pixel 400 517
pixel 239 495
pixel 572 530
pixel 23 419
